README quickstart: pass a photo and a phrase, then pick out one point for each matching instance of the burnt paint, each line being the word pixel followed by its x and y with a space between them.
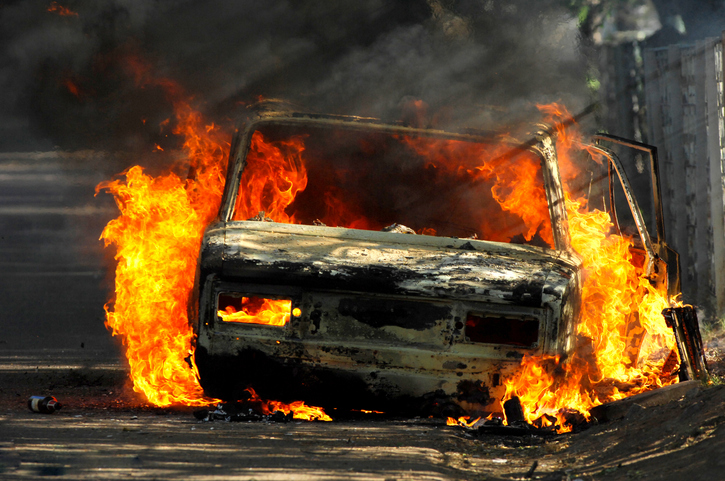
pixel 386 279
pixel 385 312
pixel 382 280
pixel 528 294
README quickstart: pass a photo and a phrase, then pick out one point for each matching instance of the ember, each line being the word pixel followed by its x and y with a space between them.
pixel 61 10
pixel 256 409
pixel 464 421
pixel 72 88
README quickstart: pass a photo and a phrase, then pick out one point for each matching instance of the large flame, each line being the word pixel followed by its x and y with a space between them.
pixel 623 342
pixel 273 176
pixel 157 239
pixel 516 187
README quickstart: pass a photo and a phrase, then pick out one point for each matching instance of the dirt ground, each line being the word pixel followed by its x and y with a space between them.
pixel 105 432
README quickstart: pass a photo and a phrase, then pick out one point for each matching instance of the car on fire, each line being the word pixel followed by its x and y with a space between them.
pixel 396 268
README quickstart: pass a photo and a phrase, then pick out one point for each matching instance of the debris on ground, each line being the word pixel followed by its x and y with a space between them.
pixel 233 412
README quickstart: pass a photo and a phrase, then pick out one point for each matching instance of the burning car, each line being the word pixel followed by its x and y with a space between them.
pixel 397 268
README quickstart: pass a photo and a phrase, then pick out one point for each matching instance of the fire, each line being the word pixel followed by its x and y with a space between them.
pixel 274 175
pixel 619 306
pixel 515 184
pixel 255 310
pixel 157 238
pixel 464 421
pixel 298 408
pixel 623 341
pixel 61 10
pixel 602 368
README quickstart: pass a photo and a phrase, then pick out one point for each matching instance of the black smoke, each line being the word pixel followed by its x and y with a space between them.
pixel 485 63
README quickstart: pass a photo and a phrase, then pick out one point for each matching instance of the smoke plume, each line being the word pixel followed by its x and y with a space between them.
pixel 482 63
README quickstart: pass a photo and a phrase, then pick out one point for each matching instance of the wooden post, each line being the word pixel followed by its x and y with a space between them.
pixel 653 68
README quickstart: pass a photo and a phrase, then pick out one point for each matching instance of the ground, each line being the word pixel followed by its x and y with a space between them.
pixel 105 431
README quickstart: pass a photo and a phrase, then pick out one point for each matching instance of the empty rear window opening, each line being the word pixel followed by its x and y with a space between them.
pixel 371 180
pixel 493 329
pixel 248 309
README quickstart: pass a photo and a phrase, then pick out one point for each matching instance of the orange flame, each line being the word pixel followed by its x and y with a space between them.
pixel 61 10
pixel 157 237
pixel 272 178
pixel 618 304
pixel 298 408
pixel 258 311
pixel 463 421
pixel 516 186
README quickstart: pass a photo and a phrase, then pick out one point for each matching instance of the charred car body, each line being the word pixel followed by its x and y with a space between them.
pixel 373 317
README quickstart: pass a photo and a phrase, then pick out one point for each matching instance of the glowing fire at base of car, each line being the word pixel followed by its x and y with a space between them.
pixel 463 421
pixel 158 234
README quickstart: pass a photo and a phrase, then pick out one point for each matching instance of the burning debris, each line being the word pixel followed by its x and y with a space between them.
pixel 685 326
pixel 230 412
pixel 250 408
